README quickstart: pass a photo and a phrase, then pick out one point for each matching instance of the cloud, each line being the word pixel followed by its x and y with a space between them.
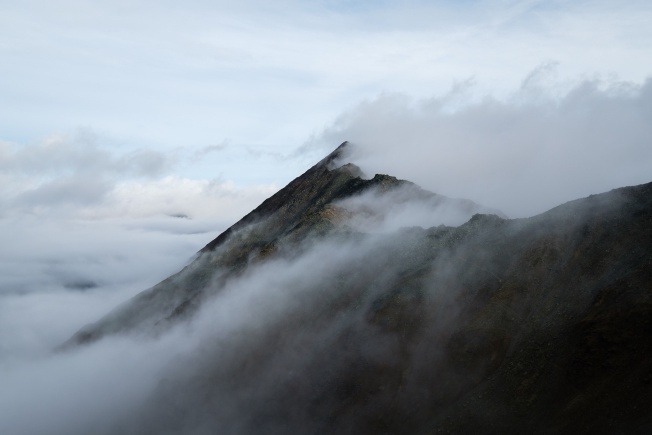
pixel 268 74
pixel 57 274
pixel 63 390
pixel 543 145
pixel 69 170
pixel 405 206
pixel 85 226
pixel 79 175
pixel 228 366
pixel 211 149
pixel 287 330
pixel 222 201
pixel 79 153
pixel 60 272
pixel 73 190
pixel 87 223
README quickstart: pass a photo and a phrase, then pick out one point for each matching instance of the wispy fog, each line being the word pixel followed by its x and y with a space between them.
pixel 266 347
pixel 547 143
pixel 241 366
pixel 86 224
pixel 405 206
pixel 57 275
pixel 179 120
pixel 264 350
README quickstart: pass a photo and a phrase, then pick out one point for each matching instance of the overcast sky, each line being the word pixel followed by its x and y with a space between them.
pixel 134 130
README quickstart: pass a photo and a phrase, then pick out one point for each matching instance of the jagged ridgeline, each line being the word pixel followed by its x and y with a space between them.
pixel 311 207
pixel 369 305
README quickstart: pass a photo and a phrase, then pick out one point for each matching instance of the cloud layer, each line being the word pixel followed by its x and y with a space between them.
pixel 541 146
pixel 86 225
pixel 222 371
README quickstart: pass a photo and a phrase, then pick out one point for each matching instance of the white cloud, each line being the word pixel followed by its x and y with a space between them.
pixel 77 175
pixel 173 195
pixel 85 227
pixel 74 154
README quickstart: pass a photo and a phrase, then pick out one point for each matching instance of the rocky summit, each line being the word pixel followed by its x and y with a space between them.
pixel 329 309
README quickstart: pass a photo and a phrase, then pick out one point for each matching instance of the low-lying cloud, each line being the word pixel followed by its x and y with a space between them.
pixel 546 144
pixel 267 352
pixel 405 206
pixel 86 225
pixel 57 275
pixel 85 229
pixel 231 368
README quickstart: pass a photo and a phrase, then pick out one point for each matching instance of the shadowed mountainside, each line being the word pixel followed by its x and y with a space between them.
pixel 537 325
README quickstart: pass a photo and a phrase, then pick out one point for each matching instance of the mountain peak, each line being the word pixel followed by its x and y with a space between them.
pixel 315 323
pixel 307 207
pixel 318 181
pixel 338 154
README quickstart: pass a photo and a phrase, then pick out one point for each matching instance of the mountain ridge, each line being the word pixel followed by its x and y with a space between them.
pixel 537 325
pixel 293 213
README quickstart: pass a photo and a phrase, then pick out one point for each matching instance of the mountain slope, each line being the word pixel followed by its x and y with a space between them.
pixel 304 208
pixel 537 325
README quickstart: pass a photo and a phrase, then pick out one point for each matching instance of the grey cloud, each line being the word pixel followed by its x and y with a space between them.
pixel 257 153
pixel 234 368
pixel 64 170
pixel 77 190
pixel 406 206
pixel 142 163
pixel 57 274
pixel 522 154
pixel 131 384
pixel 82 152
pixel 212 149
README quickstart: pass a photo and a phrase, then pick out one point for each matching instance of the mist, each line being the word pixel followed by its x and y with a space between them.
pixel 59 274
pixel 134 133
pixel 379 211
pixel 268 342
pixel 546 143
pixel 87 224
pixel 239 365
pixel 275 345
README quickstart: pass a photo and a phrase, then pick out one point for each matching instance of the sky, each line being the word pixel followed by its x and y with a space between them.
pixel 134 132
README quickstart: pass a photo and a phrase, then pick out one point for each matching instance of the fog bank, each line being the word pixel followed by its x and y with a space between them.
pixel 547 143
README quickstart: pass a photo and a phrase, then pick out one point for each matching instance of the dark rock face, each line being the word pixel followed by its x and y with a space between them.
pixel 538 325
